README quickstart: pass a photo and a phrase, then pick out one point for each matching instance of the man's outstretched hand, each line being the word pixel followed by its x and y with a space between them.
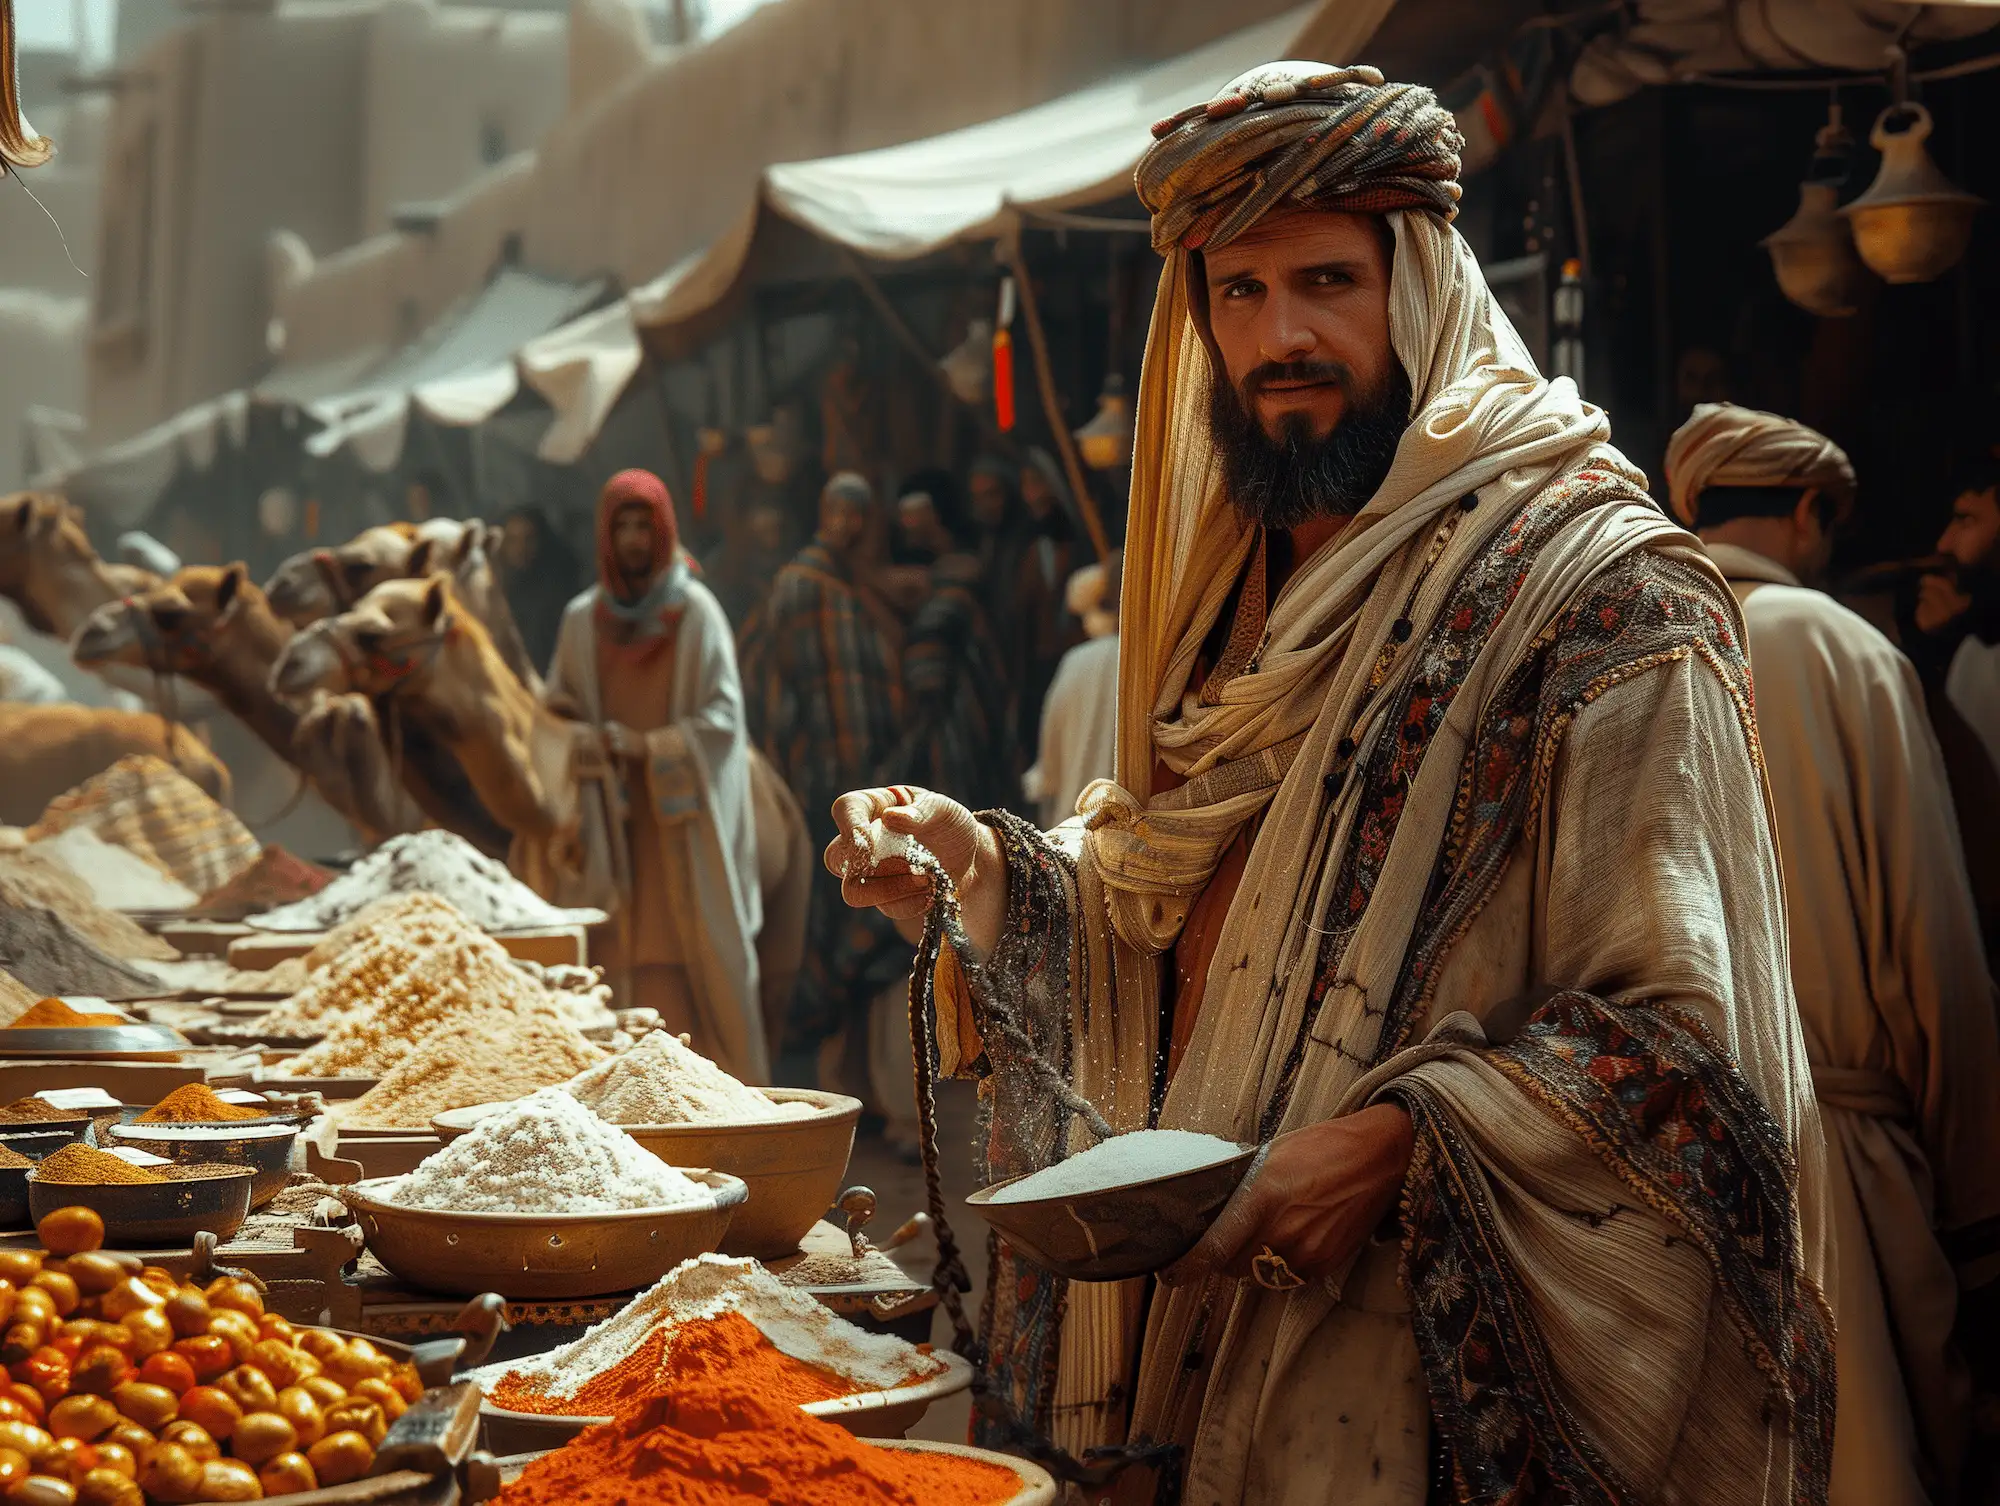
pixel 1314 1198
pixel 968 851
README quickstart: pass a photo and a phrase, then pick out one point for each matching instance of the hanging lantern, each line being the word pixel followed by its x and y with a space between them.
pixel 1106 441
pixel 1913 223
pixel 1813 253
pixel 969 365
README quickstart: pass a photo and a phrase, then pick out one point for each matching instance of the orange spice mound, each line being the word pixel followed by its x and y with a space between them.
pixel 36 1111
pixel 53 1014
pixel 728 1343
pixel 80 1165
pixel 712 1437
pixel 196 1103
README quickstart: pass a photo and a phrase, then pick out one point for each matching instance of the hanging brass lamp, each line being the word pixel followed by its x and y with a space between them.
pixel 1913 223
pixel 1813 253
pixel 1105 442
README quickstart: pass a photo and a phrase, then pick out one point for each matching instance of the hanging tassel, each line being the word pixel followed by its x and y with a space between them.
pixel 1003 359
pixel 699 501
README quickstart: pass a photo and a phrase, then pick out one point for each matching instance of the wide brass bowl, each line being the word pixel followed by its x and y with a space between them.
pixel 1038 1488
pixel 1116 1232
pixel 540 1256
pixel 866 1414
pixel 153 1215
pixel 266 1149
pixel 110 1043
pixel 792 1167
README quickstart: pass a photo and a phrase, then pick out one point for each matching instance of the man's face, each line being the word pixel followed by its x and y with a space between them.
pixel 632 541
pixel 517 543
pixel 1036 493
pixel 1974 530
pixel 916 517
pixel 767 528
pixel 989 499
pixel 842 521
pixel 1312 401
pixel 1299 307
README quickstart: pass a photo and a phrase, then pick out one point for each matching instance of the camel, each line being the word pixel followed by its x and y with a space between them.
pixel 320 583
pixel 212 626
pixel 417 639
pixel 45 750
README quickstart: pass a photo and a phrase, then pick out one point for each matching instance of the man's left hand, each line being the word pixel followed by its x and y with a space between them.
pixel 1313 1199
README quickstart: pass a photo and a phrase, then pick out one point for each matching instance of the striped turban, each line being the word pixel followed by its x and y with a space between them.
pixel 1302 134
pixel 1724 445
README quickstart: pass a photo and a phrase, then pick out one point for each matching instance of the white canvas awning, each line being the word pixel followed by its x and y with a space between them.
pixel 907 201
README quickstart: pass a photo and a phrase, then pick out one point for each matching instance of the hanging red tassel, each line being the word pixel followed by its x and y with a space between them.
pixel 1003 380
pixel 700 499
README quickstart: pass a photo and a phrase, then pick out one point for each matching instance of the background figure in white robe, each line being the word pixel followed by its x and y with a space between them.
pixel 1887 961
pixel 647 655
pixel 1079 722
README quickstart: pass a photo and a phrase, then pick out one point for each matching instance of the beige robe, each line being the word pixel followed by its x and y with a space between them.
pixel 1894 994
pixel 697 777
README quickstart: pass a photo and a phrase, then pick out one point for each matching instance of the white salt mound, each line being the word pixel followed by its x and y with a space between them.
pixel 663 1081
pixel 119 878
pixel 1119 1162
pixel 706 1287
pixel 433 862
pixel 546 1153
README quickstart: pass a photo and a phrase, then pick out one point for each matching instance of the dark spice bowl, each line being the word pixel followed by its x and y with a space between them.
pixel 155 1215
pixel 265 1148
pixel 1116 1232
pixel 14 1197
pixel 42 1139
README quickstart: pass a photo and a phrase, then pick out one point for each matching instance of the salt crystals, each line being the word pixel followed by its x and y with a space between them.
pixel 796 1323
pixel 546 1153
pixel 119 879
pixel 662 1081
pixel 1121 1161
pixel 436 862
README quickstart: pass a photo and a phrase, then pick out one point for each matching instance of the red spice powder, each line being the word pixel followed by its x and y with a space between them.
pixel 276 878
pixel 708 1443
pixel 728 1345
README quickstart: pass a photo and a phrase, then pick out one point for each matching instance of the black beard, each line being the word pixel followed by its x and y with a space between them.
pixel 1299 476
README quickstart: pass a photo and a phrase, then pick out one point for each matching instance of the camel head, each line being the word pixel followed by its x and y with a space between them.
pixel 171 627
pixel 48 567
pixel 392 633
pixel 319 583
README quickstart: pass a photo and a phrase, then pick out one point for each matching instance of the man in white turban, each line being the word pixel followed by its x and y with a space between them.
pixel 1438 862
pixel 1887 961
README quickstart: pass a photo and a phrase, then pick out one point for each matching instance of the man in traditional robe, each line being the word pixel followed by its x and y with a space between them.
pixel 824 663
pixel 1887 961
pixel 1438 863
pixel 646 654
pixel 1957 616
pixel 1080 713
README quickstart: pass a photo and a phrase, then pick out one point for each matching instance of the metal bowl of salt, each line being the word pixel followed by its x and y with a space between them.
pixel 1111 1233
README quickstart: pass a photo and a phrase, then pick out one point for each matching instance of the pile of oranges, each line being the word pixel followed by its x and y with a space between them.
pixel 126 1386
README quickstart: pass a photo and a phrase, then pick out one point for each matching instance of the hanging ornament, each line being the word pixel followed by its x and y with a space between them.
pixel 1105 443
pixel 969 365
pixel 1913 223
pixel 1003 359
pixel 708 443
pixel 1813 253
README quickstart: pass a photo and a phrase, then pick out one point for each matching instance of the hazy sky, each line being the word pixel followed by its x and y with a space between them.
pixel 49 25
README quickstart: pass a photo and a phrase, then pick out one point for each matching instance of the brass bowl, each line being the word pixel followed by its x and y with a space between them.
pixel 1116 1232
pixel 866 1414
pixel 46 1138
pixel 793 1168
pixel 266 1149
pixel 540 1256
pixel 154 1215
pixel 1038 1488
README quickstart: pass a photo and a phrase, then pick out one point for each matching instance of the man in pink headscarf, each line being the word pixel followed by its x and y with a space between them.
pixel 647 655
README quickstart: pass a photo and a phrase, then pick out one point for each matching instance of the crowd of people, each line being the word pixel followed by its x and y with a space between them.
pixel 1598 897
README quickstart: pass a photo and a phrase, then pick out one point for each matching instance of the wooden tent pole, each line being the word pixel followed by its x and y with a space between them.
pixel 1079 481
